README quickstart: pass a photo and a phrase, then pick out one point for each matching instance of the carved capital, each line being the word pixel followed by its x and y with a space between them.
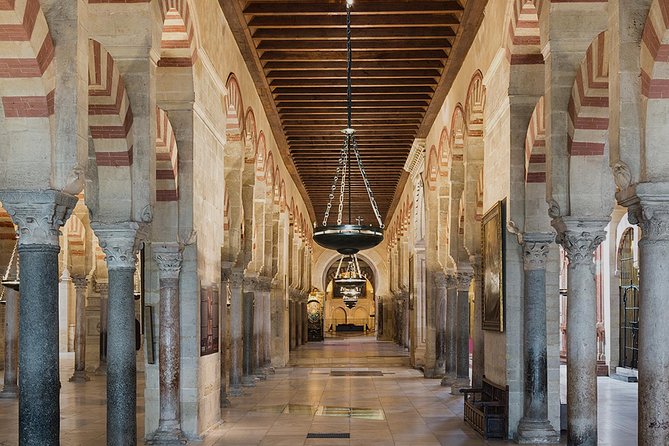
pixel 80 282
pixel 264 284
pixel 451 280
pixel 234 276
pixel 440 280
pixel 38 214
pixel 580 237
pixel 120 243
pixel 169 257
pixel 536 247
pixel 653 219
pixel 249 283
pixel 464 278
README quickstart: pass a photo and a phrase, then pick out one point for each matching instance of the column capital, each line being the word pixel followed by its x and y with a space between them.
pixel 536 246
pixel 120 242
pixel 649 208
pixel 464 278
pixel 477 266
pixel 580 236
pixel 38 214
pixel 80 282
pixel 169 257
pixel 102 288
pixel 264 284
pixel 440 279
pixel 235 276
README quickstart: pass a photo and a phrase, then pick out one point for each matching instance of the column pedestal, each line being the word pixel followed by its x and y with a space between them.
pixel 80 286
pixel 580 237
pixel 462 333
pixel 534 427
pixel 169 257
pixel 10 388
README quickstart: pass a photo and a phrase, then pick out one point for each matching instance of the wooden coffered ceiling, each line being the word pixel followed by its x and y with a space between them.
pixel 405 56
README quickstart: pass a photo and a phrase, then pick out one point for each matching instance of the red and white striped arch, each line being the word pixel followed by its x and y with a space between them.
pixel 535 146
pixel 76 241
pixel 27 72
pixel 167 159
pixel 524 40
pixel 475 105
pixel 269 174
pixel 261 154
pixel 458 133
pixel 276 186
pixel 432 168
pixel 251 136
pixel 655 52
pixel 443 152
pixel 589 103
pixel 479 197
pixel 234 109
pixel 178 46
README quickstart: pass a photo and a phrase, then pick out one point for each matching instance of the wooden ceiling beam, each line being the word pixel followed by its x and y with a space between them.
pixel 358 21
pixel 359 86
pixel 375 55
pixel 355 74
pixel 339 33
pixel 336 8
pixel 357 45
pixel 362 64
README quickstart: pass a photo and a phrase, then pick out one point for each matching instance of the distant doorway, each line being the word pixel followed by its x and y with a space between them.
pixel 629 301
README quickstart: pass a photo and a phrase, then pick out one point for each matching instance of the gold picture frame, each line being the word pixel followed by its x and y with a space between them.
pixel 492 257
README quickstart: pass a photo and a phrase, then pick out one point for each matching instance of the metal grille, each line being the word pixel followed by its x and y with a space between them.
pixel 356 373
pixel 328 435
pixel 629 302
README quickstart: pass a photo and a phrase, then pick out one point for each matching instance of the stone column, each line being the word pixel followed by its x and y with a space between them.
pixel 10 388
pixel 293 325
pixel 265 318
pixel 119 241
pixel 267 325
pixel 236 278
pixel 580 237
pixel 450 339
pixel 478 362
pixel 463 278
pixel 248 380
pixel 80 286
pixel 103 289
pixel 39 216
pixel 258 330
pixel 305 322
pixel 298 322
pixel 440 284
pixel 534 427
pixel 652 215
pixel 224 335
pixel 168 257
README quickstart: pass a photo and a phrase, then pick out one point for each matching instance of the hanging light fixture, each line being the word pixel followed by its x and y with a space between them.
pixel 350 280
pixel 11 277
pixel 348 238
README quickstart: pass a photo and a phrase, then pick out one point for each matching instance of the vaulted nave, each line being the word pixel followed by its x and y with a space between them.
pixel 270 221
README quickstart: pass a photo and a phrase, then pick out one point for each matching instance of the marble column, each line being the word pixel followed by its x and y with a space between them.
pixel 450 336
pixel 80 286
pixel 305 322
pixel 169 257
pixel 39 216
pixel 651 213
pixel 224 335
pixel 248 379
pixel 534 427
pixel 119 241
pixel 236 278
pixel 580 237
pixel 478 362
pixel 103 289
pixel 440 284
pixel 10 387
pixel 266 334
pixel 293 325
pixel 298 323
pixel 463 278
pixel 261 284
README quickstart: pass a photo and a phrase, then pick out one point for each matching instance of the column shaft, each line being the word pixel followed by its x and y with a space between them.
pixel 80 285
pixel 104 311
pixel 248 380
pixel 450 332
pixel 305 331
pixel 258 332
pixel 462 333
pixel 236 278
pixel 267 328
pixel 440 282
pixel 478 362
pixel 298 323
pixel 10 388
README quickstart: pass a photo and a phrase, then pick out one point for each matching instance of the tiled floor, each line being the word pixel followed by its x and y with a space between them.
pixel 399 407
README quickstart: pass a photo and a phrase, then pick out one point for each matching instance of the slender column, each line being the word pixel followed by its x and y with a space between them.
pixel 652 214
pixel 168 257
pixel 580 238
pixel 119 241
pixel 258 330
pixel 11 388
pixel 265 316
pixel 39 216
pixel 298 323
pixel 293 325
pixel 267 324
pixel 248 380
pixel 477 333
pixel 450 340
pixel 236 279
pixel 224 335
pixel 463 278
pixel 103 289
pixel 80 286
pixel 440 284
pixel 534 427
pixel 305 322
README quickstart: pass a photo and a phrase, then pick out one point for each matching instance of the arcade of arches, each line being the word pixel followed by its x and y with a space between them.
pixel 159 197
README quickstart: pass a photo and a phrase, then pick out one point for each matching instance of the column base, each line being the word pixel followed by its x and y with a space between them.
pixel 101 370
pixel 459 383
pixel 171 437
pixel 536 432
pixel 79 376
pixel 235 391
pixel 433 373
pixel 448 379
pixel 248 381
pixel 9 392
pixel 261 374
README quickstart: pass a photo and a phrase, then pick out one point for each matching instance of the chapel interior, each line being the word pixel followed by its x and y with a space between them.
pixel 334 222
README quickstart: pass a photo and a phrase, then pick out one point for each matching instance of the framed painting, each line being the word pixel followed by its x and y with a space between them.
pixel 492 249
pixel 148 333
pixel 209 320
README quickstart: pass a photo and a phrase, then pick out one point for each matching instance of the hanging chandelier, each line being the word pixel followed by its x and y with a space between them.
pixel 348 238
pixel 350 280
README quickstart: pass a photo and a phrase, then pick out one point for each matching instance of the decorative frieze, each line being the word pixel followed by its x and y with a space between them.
pixel 38 214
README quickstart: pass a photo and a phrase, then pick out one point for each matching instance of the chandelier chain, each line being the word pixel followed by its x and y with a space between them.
pixel 370 194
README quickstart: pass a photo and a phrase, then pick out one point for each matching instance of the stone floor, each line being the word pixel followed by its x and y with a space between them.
pixel 371 396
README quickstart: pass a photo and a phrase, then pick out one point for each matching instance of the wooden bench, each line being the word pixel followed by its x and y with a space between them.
pixel 487 409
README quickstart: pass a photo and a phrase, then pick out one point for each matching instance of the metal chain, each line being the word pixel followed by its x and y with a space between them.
pixel 343 187
pixel 370 194
pixel 342 159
